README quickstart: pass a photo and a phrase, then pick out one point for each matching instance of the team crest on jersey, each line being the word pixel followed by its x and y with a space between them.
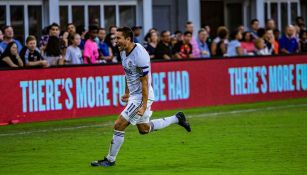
pixel 129 63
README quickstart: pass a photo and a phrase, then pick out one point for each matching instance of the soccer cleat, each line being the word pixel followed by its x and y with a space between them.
pixel 182 121
pixel 105 162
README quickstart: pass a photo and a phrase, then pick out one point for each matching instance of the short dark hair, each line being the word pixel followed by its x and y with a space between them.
pixel 202 30
pixel 4 28
pixel 53 25
pixel 177 32
pixel 127 32
pixel 93 27
pixel 270 19
pixel 164 31
pixel 188 22
pixel 299 18
pixel 253 21
pixel 70 24
pixel 302 33
pixel 30 38
pixel 187 33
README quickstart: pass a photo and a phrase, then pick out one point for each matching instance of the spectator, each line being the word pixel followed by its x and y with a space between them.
pixel 271 43
pixel 91 54
pixel 1 36
pixel 1 39
pixel 210 38
pixel 261 33
pixel 30 54
pixel 300 22
pixel 254 28
pixel 190 28
pixel 241 28
pixel 136 33
pixel 71 29
pixel 81 31
pixel 8 37
pixel 164 48
pixel 73 53
pixel 297 31
pixel 247 43
pixel 261 48
pixel 53 30
pixel 219 44
pixel 110 40
pixel 276 33
pixel 104 50
pixel 202 43
pixel 270 25
pixel 147 36
pixel 64 41
pixel 94 21
pixel 152 44
pixel 183 49
pixel 112 29
pixel 288 43
pixel 52 52
pixel 178 35
pixel 208 29
pixel 10 56
pixel 234 45
pixel 174 40
pixel 303 41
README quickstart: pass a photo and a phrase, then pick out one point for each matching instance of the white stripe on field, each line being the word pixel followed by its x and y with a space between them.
pixel 57 129
pixel 247 110
pixel 190 116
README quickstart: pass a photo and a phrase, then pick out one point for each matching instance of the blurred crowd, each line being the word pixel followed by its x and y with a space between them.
pixel 97 45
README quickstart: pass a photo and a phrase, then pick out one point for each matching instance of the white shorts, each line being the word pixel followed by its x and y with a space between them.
pixel 130 112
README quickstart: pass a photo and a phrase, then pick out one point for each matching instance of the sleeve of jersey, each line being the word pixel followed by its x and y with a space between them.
pixel 143 63
pixel 144 71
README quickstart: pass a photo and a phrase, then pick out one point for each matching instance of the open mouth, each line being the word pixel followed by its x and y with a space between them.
pixel 119 47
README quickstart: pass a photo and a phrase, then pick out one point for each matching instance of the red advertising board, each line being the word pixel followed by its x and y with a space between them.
pixel 70 92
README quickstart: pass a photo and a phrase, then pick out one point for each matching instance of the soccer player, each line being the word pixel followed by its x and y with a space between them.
pixel 138 95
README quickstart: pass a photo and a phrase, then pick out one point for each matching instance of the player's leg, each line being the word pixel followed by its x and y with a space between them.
pixel 144 128
pixel 161 123
pixel 118 139
pixel 145 125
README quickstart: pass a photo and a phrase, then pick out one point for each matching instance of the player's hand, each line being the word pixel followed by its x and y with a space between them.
pixel 125 98
pixel 141 110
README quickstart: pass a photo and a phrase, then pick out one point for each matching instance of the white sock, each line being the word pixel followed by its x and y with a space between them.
pixel 158 124
pixel 117 141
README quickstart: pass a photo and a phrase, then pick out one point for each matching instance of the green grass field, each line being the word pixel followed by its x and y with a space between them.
pixel 260 138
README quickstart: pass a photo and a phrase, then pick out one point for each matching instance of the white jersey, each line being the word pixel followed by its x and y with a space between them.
pixel 137 64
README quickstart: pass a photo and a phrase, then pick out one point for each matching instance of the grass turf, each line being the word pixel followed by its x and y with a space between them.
pixel 262 141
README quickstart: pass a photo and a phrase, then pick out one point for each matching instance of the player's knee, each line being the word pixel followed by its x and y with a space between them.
pixel 119 126
pixel 143 131
pixel 116 126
